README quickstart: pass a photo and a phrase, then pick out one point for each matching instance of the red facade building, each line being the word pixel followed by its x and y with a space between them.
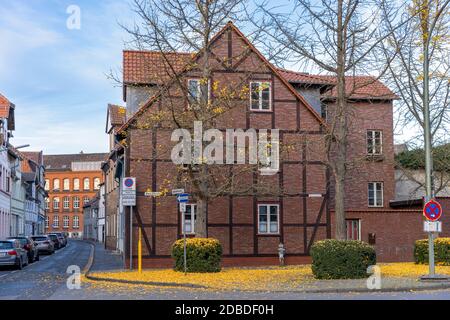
pixel 250 228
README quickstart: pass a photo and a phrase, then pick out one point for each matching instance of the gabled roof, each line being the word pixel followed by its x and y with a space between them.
pixel 7 111
pixel 4 106
pixel 195 57
pixel 116 116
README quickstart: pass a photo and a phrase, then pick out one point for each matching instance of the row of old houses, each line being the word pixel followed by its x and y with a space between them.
pixel 251 227
pixel 22 193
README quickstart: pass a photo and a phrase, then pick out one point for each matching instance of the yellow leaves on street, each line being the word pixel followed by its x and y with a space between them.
pixel 290 278
pixel 409 269
pixel 273 278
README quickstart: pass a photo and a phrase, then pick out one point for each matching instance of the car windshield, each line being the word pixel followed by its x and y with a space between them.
pixel 22 241
pixel 52 236
pixel 39 238
pixel 6 245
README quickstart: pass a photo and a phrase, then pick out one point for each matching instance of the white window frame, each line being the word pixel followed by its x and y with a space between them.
pixel 86 200
pixel 66 203
pixel 193 214
pixel 375 194
pixel 371 133
pixel 58 183
pixel 97 182
pixel 76 202
pixel 76 184
pixel 66 182
pixel 54 202
pixel 47 204
pixel 268 205
pixel 47 222
pixel 66 222
pixel 359 228
pixel 47 185
pixel 88 184
pixel 76 222
pixel 260 109
pixel 55 221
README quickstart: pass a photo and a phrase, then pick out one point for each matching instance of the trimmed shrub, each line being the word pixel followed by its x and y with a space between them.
pixel 202 255
pixel 342 259
pixel 441 251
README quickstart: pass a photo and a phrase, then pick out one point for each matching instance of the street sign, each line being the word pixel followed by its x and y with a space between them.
pixel 129 191
pixel 432 210
pixel 432 226
pixel 129 184
pixel 177 191
pixel 153 194
pixel 183 198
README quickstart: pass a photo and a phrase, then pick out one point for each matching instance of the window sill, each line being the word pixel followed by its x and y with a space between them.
pixel 375 157
pixel 268 235
pixel 261 111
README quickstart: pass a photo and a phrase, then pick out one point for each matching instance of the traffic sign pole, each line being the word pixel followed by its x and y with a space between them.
pixel 432 212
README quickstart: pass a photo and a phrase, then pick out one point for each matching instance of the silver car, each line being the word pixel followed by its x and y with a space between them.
pixel 44 244
pixel 12 254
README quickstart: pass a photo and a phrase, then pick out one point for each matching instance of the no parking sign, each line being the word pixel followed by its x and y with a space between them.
pixel 432 210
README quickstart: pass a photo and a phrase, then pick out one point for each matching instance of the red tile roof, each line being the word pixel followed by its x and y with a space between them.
pixel 359 87
pixel 4 107
pixel 150 67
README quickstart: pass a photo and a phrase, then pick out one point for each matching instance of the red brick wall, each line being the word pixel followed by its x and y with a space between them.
pixel 232 220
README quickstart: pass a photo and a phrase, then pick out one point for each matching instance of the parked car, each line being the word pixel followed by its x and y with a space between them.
pixel 55 241
pixel 44 244
pixel 61 238
pixel 12 254
pixel 29 245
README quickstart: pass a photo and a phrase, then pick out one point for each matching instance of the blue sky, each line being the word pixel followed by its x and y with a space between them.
pixel 56 77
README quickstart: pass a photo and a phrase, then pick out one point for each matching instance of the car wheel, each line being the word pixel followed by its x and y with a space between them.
pixel 20 264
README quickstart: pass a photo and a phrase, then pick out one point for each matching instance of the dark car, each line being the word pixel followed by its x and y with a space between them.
pixel 44 244
pixel 29 246
pixel 62 238
pixel 55 240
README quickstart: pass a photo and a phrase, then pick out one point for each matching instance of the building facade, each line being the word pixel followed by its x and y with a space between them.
pixel 33 177
pixel 10 225
pixel 251 227
pixel 113 172
pixel 71 181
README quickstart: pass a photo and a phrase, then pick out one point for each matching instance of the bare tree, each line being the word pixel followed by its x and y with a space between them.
pixel 170 27
pixel 420 71
pixel 341 38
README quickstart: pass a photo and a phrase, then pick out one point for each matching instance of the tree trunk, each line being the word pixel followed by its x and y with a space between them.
pixel 341 129
pixel 200 223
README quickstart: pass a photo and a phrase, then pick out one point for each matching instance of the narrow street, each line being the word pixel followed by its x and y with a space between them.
pixel 43 279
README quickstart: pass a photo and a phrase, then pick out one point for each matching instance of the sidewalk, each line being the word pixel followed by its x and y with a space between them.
pixel 105 260
pixel 273 279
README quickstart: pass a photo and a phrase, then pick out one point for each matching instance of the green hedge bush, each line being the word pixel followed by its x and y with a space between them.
pixel 203 255
pixel 342 259
pixel 441 251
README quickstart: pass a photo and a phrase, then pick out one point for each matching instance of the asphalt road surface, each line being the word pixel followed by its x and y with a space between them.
pixel 45 278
